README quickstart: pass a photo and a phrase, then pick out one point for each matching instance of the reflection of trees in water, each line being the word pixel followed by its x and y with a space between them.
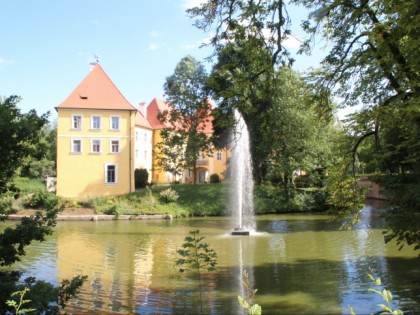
pixel 302 261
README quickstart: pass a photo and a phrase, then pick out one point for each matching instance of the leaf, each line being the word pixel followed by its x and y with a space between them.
pixel 243 302
pixel 385 307
pixel 387 295
pixel 255 310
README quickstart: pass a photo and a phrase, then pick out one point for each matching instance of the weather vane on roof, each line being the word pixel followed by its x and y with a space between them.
pixel 94 63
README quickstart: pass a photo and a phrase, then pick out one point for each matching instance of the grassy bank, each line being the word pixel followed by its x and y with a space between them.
pixel 184 200
pixel 29 185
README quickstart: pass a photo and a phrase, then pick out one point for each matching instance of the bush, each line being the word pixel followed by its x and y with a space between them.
pixel 43 200
pixel 214 178
pixel 168 195
pixel 141 176
pixel 6 204
pixel 41 168
pixel 303 181
pixel 273 199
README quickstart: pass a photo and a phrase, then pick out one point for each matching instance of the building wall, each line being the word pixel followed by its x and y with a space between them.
pixel 143 149
pixel 83 174
pixel 159 176
pixel 220 167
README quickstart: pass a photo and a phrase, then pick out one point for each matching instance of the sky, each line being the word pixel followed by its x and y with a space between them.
pixel 48 45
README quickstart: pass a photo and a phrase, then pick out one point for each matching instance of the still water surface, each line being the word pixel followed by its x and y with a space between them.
pixel 300 264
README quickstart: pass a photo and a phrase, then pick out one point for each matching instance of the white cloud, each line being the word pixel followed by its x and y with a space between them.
pixel 152 46
pixel 5 61
pixel 154 34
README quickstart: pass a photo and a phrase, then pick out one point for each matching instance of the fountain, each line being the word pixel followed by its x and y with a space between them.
pixel 242 203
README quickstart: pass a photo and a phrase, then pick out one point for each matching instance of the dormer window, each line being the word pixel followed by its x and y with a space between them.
pixel 76 122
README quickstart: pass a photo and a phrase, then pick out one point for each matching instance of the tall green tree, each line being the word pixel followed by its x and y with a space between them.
pixel 299 138
pixel 373 61
pixel 262 24
pixel 20 133
pixel 235 84
pixel 188 116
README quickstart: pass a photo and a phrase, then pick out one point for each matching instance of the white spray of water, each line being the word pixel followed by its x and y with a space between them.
pixel 242 201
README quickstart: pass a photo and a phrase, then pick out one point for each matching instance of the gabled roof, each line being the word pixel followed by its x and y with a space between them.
pixel 96 91
pixel 155 107
pixel 142 121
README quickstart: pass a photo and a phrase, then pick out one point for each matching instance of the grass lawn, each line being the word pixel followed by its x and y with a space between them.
pixel 29 185
pixel 200 199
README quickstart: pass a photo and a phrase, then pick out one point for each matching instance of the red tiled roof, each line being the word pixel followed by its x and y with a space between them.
pixel 156 106
pixel 142 121
pixel 159 105
pixel 96 91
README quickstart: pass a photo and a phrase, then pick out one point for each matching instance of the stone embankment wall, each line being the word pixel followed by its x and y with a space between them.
pixel 374 190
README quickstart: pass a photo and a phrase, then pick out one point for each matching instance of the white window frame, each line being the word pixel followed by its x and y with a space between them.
pixel 111 146
pixel 115 174
pixel 92 146
pixel 111 125
pixel 72 146
pixel 73 120
pixel 219 156
pixel 92 122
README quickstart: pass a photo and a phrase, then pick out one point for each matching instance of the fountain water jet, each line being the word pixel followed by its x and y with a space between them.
pixel 242 201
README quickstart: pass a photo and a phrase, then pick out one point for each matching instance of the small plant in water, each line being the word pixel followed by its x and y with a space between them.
pixel 246 301
pixel 386 296
pixel 18 304
pixel 198 256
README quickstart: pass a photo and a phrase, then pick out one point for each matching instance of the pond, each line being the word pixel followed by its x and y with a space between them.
pixel 300 264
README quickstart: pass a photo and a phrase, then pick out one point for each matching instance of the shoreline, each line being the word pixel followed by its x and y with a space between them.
pixel 99 217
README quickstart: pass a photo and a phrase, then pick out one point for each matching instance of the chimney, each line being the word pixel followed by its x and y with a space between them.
pixel 142 109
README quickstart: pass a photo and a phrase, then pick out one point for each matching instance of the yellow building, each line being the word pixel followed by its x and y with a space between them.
pixel 102 138
pixel 95 139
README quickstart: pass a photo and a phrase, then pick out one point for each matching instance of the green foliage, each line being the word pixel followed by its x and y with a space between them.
pixel 385 294
pixel 201 200
pixel 373 61
pixel 141 177
pixel 41 297
pixel 43 200
pixel 6 205
pixel 345 196
pixel 27 185
pixel 69 288
pixel 41 168
pixel 19 135
pixel 403 217
pixel 197 256
pixel 168 195
pixel 13 240
pixel 214 178
pixel 246 302
pixel 16 305
pixel 273 199
pixel 184 139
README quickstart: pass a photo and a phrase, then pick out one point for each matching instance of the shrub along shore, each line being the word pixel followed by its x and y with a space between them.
pixel 171 201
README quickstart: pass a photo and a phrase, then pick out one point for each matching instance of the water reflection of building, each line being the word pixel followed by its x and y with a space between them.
pixel 119 269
